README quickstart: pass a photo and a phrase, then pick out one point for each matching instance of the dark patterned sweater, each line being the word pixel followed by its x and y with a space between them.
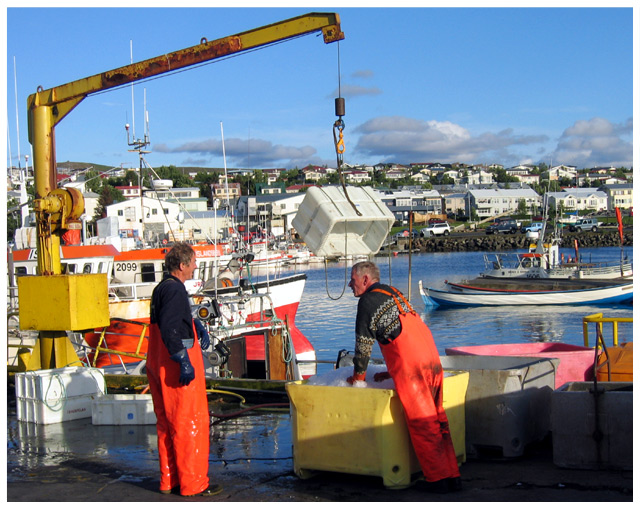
pixel 377 320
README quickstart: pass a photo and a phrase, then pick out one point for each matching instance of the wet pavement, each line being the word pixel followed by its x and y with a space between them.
pixel 251 456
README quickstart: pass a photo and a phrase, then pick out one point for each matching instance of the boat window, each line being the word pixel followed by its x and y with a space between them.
pixel 86 269
pixel 100 267
pixel 70 269
pixel 21 271
pixel 147 272
pixel 200 272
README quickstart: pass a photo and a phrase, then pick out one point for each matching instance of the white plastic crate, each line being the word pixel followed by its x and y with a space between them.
pixel 56 395
pixel 507 403
pixel 54 384
pixel 52 411
pixel 120 409
pixel 330 226
pixel 576 420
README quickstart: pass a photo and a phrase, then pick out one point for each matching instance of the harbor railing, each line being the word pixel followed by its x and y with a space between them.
pixel 599 320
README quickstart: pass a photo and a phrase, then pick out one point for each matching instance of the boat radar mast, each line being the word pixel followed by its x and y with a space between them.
pixel 139 146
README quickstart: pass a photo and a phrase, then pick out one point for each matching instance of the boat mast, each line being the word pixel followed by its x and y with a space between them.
pixel 226 181
pixel 138 146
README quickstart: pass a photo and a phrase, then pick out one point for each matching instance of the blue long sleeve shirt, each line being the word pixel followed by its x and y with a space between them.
pixel 171 311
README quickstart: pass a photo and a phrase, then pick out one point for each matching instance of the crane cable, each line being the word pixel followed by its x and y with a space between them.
pixel 338 140
pixel 338 136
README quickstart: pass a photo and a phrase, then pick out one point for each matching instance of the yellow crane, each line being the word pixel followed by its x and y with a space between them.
pixel 52 302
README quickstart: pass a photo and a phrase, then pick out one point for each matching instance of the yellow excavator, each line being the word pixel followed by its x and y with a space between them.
pixel 51 302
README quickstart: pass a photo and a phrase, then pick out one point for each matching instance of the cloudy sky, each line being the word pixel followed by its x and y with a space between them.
pixel 475 85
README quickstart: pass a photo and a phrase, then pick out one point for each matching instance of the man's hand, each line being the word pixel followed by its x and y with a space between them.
pixel 382 376
pixel 203 335
pixel 356 378
pixel 187 373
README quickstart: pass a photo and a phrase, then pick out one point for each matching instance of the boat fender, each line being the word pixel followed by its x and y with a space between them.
pixel 224 282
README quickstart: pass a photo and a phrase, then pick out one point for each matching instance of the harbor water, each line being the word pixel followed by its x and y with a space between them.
pixel 328 308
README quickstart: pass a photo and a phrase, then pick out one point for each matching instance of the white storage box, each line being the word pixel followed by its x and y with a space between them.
pixel 56 395
pixel 119 409
pixel 53 384
pixel 576 422
pixel 508 401
pixel 53 411
pixel 330 226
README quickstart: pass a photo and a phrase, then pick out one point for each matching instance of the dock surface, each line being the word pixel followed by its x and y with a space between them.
pixel 251 456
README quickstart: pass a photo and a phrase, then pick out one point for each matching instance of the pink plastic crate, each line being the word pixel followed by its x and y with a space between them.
pixel 576 362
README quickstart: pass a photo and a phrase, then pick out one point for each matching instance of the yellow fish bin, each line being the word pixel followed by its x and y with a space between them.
pixel 63 302
pixel 363 430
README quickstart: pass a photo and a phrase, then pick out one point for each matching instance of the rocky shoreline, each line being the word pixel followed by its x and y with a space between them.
pixel 502 242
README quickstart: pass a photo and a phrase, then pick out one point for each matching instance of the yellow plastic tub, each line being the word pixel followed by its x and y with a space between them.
pixel 363 431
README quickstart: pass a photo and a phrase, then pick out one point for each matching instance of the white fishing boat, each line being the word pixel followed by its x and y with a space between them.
pixel 543 260
pixel 523 292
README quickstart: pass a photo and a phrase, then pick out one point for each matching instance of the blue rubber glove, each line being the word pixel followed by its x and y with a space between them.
pixel 187 373
pixel 202 334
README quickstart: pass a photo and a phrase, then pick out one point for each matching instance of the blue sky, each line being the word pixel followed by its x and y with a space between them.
pixel 473 85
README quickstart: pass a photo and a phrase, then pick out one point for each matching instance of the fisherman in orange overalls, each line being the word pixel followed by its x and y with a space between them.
pixel 176 378
pixel 412 360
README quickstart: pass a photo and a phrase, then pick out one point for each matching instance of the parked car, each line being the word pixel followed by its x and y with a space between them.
pixel 590 223
pixel 506 219
pixel 434 229
pixel 533 227
pixel 404 234
pixel 509 226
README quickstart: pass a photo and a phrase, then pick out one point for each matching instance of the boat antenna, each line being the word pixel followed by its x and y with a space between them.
pixel 139 146
pixel 15 85
pixel 226 178
pixel 133 115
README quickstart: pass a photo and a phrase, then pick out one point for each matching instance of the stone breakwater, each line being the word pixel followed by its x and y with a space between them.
pixel 502 242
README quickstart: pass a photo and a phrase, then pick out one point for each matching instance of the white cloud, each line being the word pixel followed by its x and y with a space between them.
pixel 595 142
pixel 362 74
pixel 350 91
pixel 242 153
pixel 406 139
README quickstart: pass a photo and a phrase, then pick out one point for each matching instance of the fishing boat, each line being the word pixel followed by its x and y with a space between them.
pixel 536 265
pixel 132 277
pixel 527 292
pixel 543 260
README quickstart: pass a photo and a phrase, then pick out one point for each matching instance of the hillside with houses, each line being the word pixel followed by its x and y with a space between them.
pixel 201 204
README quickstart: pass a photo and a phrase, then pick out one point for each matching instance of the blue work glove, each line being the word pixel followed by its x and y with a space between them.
pixel 202 334
pixel 187 373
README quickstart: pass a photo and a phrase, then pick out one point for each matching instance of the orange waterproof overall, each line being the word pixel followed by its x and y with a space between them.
pixel 182 414
pixel 414 364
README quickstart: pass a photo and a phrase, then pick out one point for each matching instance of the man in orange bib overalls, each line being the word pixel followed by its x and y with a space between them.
pixel 176 378
pixel 412 360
